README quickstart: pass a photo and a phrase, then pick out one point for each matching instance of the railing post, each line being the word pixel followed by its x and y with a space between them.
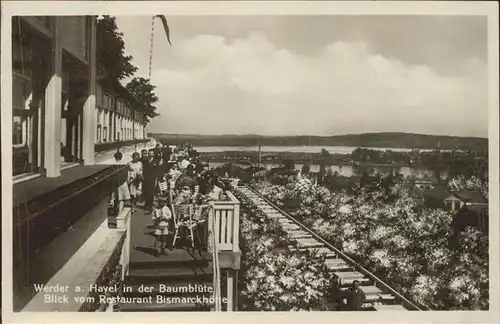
pixel 235 298
pixel 210 230
pixel 230 290
pixel 236 227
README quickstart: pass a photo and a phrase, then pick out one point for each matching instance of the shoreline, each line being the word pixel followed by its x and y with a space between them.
pixel 360 165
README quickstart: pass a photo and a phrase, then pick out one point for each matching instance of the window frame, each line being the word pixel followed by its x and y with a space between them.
pixel 23 113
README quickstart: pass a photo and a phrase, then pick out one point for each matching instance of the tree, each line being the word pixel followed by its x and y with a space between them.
pixel 289 165
pixel 325 157
pixel 111 50
pixel 143 91
pixel 325 154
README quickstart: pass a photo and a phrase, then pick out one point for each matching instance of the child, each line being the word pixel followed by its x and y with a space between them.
pixel 183 197
pixel 161 217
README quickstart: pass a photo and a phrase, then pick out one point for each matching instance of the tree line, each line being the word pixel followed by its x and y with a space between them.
pixel 118 66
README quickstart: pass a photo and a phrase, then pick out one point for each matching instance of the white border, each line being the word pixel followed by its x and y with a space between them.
pixel 131 8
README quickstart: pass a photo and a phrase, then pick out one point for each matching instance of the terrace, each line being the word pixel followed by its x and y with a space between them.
pixel 115 248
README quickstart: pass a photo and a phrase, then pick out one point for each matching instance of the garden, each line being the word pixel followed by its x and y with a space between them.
pixel 274 278
pixel 413 249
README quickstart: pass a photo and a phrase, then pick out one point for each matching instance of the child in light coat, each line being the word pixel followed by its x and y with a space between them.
pixel 161 219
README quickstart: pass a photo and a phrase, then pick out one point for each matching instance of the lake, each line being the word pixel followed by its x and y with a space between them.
pixel 297 149
pixel 348 170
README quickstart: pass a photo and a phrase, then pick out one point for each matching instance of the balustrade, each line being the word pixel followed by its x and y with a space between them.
pixel 226 216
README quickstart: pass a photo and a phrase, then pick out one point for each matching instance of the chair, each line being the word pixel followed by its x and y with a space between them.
pixel 163 186
pixel 183 219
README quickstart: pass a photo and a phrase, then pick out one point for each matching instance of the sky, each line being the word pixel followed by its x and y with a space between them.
pixel 315 75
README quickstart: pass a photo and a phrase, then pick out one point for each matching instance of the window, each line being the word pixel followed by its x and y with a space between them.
pixel 21 94
pixel 98 95
pixel 98 139
pixel 25 133
pixel 99 117
pixel 64 91
pixel 101 97
pixel 108 102
pixel 18 134
pixel 105 103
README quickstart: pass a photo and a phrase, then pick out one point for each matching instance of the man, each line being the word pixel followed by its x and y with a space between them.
pixel 192 153
pixel 188 179
pixel 165 153
pixel 355 297
pixel 150 172
pixel 144 155
pixel 203 178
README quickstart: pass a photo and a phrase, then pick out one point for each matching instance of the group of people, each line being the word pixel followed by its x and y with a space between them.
pixel 172 175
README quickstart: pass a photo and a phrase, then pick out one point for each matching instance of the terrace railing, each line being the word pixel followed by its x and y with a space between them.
pixel 408 304
pixel 226 218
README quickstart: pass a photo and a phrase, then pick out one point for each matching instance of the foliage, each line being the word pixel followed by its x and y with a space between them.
pixel 111 50
pixel 411 248
pixel 275 278
pixel 289 165
pixel 143 91
pixel 469 183
pixel 306 169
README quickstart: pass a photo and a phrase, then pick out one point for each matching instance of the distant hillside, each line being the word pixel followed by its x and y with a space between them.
pixel 389 140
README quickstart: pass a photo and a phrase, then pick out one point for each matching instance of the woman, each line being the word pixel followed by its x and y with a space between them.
pixel 188 179
pixel 175 155
pixel 174 172
pixel 135 177
pixel 123 190
pixel 214 192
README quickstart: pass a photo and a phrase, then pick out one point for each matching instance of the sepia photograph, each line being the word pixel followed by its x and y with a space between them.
pixel 249 163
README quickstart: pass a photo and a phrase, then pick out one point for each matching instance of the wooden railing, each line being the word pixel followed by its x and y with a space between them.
pixel 379 283
pixel 227 223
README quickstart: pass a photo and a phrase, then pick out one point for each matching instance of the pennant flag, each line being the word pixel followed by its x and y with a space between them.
pixel 165 26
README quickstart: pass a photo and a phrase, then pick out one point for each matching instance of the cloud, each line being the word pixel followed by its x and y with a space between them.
pixel 212 85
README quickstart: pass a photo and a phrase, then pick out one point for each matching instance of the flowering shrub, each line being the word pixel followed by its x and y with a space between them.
pixel 412 249
pixel 470 183
pixel 274 279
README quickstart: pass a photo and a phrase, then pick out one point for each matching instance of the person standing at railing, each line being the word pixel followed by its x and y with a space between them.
pixel 214 192
pixel 355 297
pixel 135 177
pixel 123 193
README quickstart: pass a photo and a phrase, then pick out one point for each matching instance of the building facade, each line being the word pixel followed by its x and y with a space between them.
pixel 65 114
pixel 62 107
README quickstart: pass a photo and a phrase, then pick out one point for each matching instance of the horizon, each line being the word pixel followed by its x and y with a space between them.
pixel 312 135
